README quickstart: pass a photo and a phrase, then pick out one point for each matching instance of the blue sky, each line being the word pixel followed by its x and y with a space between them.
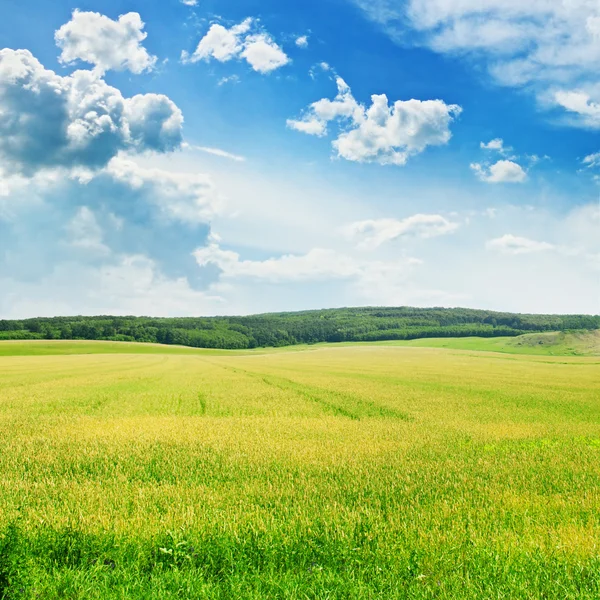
pixel 186 158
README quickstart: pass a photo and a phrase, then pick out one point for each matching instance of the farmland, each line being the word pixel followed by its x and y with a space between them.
pixel 350 471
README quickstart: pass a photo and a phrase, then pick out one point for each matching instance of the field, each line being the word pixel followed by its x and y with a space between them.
pixel 359 471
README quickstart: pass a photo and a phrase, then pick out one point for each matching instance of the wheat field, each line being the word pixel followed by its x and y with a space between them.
pixel 337 472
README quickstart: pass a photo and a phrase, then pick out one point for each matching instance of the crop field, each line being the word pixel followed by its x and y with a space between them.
pixel 329 472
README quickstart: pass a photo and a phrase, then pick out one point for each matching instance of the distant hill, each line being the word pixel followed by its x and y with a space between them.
pixel 309 327
pixel 556 343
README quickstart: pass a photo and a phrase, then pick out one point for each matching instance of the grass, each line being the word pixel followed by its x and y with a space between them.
pixel 585 343
pixel 344 472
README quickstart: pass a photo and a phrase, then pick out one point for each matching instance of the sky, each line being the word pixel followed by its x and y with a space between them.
pixel 204 157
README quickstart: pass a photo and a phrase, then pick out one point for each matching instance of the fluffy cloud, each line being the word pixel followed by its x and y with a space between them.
pixel 98 220
pixel 183 197
pixel 379 133
pixel 302 41
pixel 542 43
pixel 580 104
pixel 504 171
pixel 263 54
pixel 241 41
pixel 221 43
pixel 511 244
pixel 190 2
pixel 51 121
pixel 496 145
pixel 95 39
pixel 374 233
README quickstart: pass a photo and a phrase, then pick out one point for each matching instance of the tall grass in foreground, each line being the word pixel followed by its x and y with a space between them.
pixel 338 473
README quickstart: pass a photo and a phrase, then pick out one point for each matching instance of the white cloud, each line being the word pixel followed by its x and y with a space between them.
pixel 302 41
pixel 242 41
pixel 503 171
pixel 511 244
pixel 183 197
pixel 263 54
pixel 315 69
pixel 104 43
pixel 230 79
pixel 132 285
pixel 592 160
pixel 218 152
pixel 379 133
pixel 221 43
pixel 51 121
pixel 374 233
pixel 381 282
pixel 190 2
pixel 318 264
pixel 496 145
pixel 98 218
pixel 580 104
pixel 543 44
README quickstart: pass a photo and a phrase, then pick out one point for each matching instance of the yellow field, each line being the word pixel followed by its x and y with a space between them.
pixel 349 472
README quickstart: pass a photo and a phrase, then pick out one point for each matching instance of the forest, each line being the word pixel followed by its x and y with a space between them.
pixel 285 329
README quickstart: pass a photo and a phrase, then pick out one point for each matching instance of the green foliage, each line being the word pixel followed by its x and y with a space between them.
pixel 288 329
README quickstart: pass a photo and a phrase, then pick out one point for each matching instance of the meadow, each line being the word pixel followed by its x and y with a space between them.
pixel 360 471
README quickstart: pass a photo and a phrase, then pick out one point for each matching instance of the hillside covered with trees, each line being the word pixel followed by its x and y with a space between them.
pixel 283 329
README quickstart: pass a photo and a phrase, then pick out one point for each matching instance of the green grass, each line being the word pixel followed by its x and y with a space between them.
pixel 364 471
pixel 547 344
pixel 62 347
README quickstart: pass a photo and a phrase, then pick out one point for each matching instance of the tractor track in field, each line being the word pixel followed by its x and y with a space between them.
pixel 362 408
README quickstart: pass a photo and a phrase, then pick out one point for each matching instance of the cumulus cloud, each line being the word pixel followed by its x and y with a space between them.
pixel 98 40
pixel 379 133
pixel 542 44
pixel 190 2
pixel 511 244
pixel 243 41
pixel 496 145
pixel 76 121
pixel 503 171
pixel 580 104
pixel 302 41
pixel 374 233
pixel 184 197
pixel 263 54
pixel 123 210
pixel 220 43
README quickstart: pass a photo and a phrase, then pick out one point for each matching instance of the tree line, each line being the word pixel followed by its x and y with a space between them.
pixel 307 327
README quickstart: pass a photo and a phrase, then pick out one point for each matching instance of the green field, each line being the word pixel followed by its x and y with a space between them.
pixel 584 343
pixel 358 471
